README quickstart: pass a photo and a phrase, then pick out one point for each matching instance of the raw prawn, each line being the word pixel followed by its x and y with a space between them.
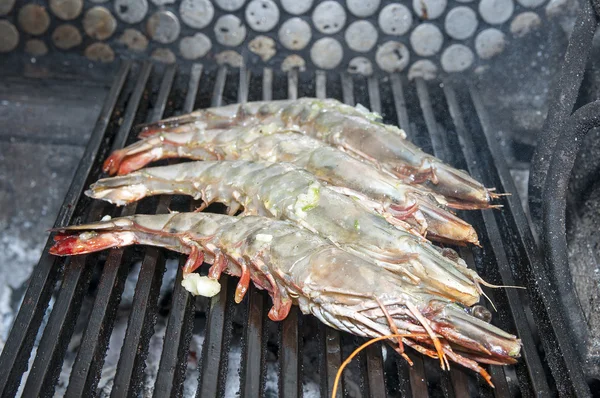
pixel 390 197
pixel 353 129
pixel 297 267
pixel 282 190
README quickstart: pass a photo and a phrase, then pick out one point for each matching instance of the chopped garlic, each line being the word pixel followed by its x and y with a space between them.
pixel 264 238
pixel 307 201
pixel 106 218
pixel 87 235
pixel 373 116
pixel 268 129
pixel 201 285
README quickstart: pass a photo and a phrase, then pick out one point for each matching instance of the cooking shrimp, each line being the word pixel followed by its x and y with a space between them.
pixel 354 130
pixel 297 267
pixel 418 206
pixel 282 190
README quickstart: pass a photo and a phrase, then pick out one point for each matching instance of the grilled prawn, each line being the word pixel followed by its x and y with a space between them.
pixel 297 267
pixel 418 206
pixel 282 190
pixel 353 129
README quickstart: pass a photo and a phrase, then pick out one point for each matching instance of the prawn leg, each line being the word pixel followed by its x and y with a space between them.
pixel 195 258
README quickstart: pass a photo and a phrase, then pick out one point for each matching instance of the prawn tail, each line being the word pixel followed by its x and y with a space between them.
pixel 67 244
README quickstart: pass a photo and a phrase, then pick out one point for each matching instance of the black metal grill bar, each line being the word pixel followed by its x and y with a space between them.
pixel 190 98
pixel 217 98
pixel 173 361
pixel 557 338
pixel 441 145
pixel 438 140
pixel 331 349
pixel 130 367
pixel 374 95
pixel 292 81
pixel 460 382
pixel 243 85
pixel 320 84
pixel 17 350
pixel 210 383
pixel 347 89
pixel 400 103
pixel 214 360
pixel 290 383
pixel 418 383
pixel 253 359
pixel 267 84
pixel 255 342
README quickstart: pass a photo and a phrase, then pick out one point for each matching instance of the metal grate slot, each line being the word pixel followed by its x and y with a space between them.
pixel 171 373
pixel 447 120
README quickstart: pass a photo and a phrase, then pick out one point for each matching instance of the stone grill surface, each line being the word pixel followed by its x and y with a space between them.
pixel 420 37
pixel 60 339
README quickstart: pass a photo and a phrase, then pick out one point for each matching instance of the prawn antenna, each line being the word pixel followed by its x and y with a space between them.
pixel 362 347
pixel 484 283
pixel 488 299
pixel 481 281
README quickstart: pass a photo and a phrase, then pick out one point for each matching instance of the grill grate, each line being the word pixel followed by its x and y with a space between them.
pixel 446 119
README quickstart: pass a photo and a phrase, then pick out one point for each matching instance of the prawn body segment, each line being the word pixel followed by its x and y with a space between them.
pixel 283 191
pixel 297 267
pixel 354 129
pixel 402 203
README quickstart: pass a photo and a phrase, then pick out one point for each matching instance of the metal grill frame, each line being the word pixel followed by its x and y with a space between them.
pixel 438 116
pixel 565 128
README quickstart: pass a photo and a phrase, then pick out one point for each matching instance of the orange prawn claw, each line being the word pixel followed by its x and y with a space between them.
pixel 194 261
pixel 219 265
pixel 280 310
pixel 242 286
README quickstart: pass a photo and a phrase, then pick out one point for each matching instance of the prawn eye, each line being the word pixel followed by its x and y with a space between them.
pixel 482 313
